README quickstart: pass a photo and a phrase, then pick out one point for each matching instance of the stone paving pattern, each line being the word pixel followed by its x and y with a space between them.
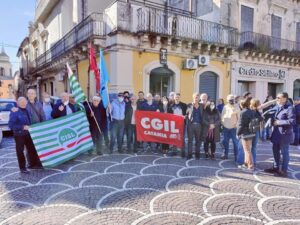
pixel 148 189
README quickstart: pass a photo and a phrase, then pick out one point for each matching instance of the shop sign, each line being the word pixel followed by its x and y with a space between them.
pixel 163 56
pixel 263 73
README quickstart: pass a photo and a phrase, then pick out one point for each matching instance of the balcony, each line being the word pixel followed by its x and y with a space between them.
pixel 268 44
pixel 181 26
pixel 43 8
pixel 91 27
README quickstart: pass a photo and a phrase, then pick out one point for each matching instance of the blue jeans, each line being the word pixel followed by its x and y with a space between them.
pixel 117 131
pixel 230 134
pixel 254 146
pixel 284 150
pixel 131 138
pixel 297 134
pixel 241 156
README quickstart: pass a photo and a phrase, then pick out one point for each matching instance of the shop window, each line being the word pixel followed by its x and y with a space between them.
pixel 208 83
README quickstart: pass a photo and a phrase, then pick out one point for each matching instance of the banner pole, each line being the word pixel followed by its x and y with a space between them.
pixel 94 117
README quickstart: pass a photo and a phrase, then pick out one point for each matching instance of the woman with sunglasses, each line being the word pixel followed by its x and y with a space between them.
pixel 282 136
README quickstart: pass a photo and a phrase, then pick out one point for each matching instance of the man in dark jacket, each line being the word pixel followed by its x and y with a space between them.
pixel 19 122
pixel 151 106
pixel 178 108
pixel 130 126
pixel 297 125
pixel 63 108
pixel 194 125
pixel 99 113
pixel 282 136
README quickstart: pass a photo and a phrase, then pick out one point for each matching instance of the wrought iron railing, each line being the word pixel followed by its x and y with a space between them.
pixel 92 26
pixel 169 23
pixel 265 43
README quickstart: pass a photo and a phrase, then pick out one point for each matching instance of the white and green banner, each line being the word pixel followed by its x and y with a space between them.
pixel 59 140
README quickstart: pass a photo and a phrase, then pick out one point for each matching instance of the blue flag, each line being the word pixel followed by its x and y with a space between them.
pixel 104 79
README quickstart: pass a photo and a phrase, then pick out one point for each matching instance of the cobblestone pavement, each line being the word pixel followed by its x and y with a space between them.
pixel 148 189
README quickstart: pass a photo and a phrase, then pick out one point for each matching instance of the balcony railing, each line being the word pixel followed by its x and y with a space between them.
pixel 265 43
pixel 92 26
pixel 173 24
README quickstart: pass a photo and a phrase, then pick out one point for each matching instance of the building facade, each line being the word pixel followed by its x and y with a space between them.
pixel 213 46
pixel 6 78
pixel 267 60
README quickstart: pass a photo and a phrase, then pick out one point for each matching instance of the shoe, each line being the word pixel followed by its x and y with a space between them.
pixel 189 157
pixel 197 156
pixel 120 151
pixel 224 157
pixel 212 156
pixel 206 155
pixel 281 173
pixel 25 171
pixel 99 153
pixel 272 170
pixel 35 167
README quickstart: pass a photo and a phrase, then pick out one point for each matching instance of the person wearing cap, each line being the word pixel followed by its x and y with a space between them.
pixel 97 113
pixel 117 112
pixel 64 107
pixel 230 116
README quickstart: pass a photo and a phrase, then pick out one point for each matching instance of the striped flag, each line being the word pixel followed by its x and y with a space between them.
pixel 59 140
pixel 76 90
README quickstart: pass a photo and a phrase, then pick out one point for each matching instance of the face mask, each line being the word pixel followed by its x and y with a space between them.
pixel 165 102
pixel 47 100
pixel 231 101
pixel 66 103
pixel 212 107
pixel 120 99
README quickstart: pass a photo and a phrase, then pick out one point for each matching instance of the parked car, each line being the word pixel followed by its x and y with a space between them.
pixel 5 108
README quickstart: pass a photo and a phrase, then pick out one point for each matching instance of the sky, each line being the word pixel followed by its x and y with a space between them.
pixel 14 19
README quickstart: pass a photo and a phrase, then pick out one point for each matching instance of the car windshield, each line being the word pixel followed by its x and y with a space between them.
pixel 7 106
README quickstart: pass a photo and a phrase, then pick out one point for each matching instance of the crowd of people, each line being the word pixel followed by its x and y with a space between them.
pixel 242 119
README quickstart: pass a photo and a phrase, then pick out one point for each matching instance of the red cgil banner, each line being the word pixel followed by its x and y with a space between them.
pixel 160 128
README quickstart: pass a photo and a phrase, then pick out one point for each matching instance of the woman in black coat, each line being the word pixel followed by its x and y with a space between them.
pixel 244 133
pixel 211 128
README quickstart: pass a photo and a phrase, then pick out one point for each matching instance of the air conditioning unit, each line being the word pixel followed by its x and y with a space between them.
pixel 60 77
pixel 203 60
pixel 190 64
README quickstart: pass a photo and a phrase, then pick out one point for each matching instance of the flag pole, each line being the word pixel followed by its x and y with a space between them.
pixel 94 116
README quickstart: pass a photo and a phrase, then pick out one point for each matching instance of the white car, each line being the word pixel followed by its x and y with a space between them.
pixel 5 108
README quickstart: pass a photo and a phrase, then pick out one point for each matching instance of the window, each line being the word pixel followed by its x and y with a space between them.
pixel 298 36
pixel 276 32
pixel 45 87
pixel 179 4
pixel 51 89
pixel 247 15
pixel 202 7
pixel 2 71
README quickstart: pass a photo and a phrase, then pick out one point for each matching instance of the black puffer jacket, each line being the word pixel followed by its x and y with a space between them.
pixel 243 124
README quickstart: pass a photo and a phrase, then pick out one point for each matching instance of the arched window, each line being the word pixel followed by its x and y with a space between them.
pixel 296 88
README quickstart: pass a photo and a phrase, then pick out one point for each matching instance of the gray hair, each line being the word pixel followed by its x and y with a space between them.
pixel 97 98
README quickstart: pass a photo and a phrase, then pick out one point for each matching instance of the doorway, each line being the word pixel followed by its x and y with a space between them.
pixel 161 81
